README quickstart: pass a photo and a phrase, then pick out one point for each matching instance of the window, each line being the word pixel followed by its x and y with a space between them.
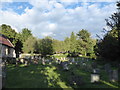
pixel 6 51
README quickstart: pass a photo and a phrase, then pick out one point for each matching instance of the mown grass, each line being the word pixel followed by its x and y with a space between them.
pixel 52 76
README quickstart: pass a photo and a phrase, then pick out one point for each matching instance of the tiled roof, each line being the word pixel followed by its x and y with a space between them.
pixel 5 41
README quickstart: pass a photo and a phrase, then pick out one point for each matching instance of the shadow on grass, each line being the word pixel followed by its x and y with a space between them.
pixel 47 76
pixel 86 78
pixel 32 76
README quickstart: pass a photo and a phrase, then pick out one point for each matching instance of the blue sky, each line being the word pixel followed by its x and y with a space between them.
pixel 17 7
pixel 56 19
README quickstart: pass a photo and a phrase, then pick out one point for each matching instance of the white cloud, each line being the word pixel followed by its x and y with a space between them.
pixel 52 26
pixel 46 34
pixel 52 19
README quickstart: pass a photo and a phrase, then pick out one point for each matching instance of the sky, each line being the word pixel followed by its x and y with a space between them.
pixel 57 18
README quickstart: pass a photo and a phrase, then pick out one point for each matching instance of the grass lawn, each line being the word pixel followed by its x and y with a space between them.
pixel 51 76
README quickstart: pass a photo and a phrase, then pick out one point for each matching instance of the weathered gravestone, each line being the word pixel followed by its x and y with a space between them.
pixel 113 75
pixel 43 61
pixel 107 68
pixel 95 77
pixel 65 65
pixel 94 65
pixel 73 60
pixel 96 71
pixel 50 62
pixel 76 62
pixel 59 61
pixel 76 80
pixel 89 68
pixel 22 60
pixel 26 63
pixel 70 61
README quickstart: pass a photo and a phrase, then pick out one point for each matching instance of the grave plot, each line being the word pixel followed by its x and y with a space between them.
pixel 64 74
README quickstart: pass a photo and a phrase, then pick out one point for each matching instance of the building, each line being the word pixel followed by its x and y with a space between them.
pixel 6 47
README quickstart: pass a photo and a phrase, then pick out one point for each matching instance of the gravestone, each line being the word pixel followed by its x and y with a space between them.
pixel 26 63
pixel 107 68
pixel 65 65
pixel 17 62
pixel 70 61
pixel 76 80
pixel 94 65
pixel 76 62
pixel 89 68
pixel 50 62
pixel 113 75
pixel 73 60
pixel 43 61
pixel 32 57
pixel 95 78
pixel 22 60
pixel 96 71
pixel 64 58
pixel 59 61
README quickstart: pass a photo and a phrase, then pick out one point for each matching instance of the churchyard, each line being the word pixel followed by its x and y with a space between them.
pixel 60 72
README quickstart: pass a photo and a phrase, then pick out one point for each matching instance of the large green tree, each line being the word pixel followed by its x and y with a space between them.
pixel 85 43
pixel 29 46
pixel 73 42
pixel 25 34
pixel 13 36
pixel 46 47
pixel 108 48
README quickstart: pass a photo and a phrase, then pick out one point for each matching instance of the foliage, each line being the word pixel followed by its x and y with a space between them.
pixel 25 34
pixel 13 36
pixel 108 48
pixel 85 43
pixel 25 42
pixel 46 46
pixel 9 32
pixel 29 45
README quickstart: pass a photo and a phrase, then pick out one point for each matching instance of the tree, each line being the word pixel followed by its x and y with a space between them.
pixel 67 44
pixel 84 35
pixel 85 43
pixel 46 47
pixel 25 34
pixel 29 46
pixel 108 48
pixel 9 32
pixel 73 42
pixel 13 36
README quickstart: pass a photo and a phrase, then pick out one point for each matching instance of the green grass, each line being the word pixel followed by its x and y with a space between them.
pixel 52 76
pixel 33 76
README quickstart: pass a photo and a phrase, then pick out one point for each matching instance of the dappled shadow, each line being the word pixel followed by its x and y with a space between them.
pixel 49 76
pixel 32 76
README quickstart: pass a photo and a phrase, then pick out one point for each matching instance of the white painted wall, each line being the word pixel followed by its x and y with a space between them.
pixel 7 51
